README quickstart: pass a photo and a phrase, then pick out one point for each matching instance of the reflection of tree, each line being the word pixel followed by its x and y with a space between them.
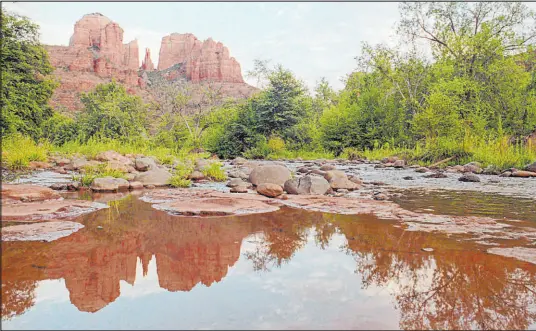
pixel 456 289
pixel 17 297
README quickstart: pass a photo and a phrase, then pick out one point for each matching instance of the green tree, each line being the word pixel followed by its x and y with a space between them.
pixel 26 87
pixel 110 112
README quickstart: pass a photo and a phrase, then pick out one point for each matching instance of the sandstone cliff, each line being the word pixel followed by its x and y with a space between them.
pixel 97 53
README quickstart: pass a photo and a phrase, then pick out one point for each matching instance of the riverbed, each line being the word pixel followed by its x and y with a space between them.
pixel 133 266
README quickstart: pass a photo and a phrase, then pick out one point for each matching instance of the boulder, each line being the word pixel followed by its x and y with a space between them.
pixel 156 177
pixel 399 164
pixel 338 183
pixel 472 167
pixel 234 182
pixel 303 170
pixel 63 162
pixel 39 165
pixel 109 184
pixel 196 175
pixel 273 174
pixel 491 170
pixel 436 175
pixel 318 172
pixel 421 170
pixel 469 177
pixel 355 179
pixel 329 175
pixel 239 189
pixel 307 185
pixel 506 174
pixel 113 156
pixel 531 167
pixel 144 163
pixel 117 165
pixel 239 161
pixel 270 190
pixel 522 173
pixel 327 167
pixel 135 185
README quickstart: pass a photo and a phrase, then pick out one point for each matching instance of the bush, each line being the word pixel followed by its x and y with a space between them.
pixel 215 172
pixel 180 175
pixel 18 151
pixel 60 129
pixel 179 181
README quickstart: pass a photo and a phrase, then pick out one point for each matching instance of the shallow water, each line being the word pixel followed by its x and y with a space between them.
pixel 287 269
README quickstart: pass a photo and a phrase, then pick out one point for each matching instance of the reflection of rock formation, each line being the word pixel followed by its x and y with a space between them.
pixel 456 287
pixel 93 262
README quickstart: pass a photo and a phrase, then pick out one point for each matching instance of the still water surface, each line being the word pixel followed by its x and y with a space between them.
pixel 293 269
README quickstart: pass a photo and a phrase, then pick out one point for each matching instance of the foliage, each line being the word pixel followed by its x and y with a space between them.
pixel 214 172
pixel 180 175
pixel 18 151
pixel 91 172
pixel 60 129
pixel 26 87
pixel 110 112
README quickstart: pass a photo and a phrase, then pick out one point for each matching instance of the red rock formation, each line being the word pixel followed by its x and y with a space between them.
pixel 96 46
pixel 206 60
pixel 147 63
pixel 96 54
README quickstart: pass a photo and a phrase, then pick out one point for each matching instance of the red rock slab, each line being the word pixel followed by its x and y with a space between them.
pixel 45 231
pixel 526 254
pixel 46 210
pixel 26 192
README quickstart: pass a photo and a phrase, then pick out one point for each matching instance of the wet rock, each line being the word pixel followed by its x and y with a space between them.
pixel 531 167
pixel 522 173
pixel 109 184
pixel 327 167
pixel 234 182
pixel 355 179
pixel 61 170
pixel 527 254
pixel 156 177
pixel 59 186
pixel 408 178
pixel 196 175
pixel 28 193
pixel 422 170
pixel 377 183
pixel 318 172
pixel 380 166
pixel 239 189
pixel 149 186
pixel 135 185
pixel 494 180
pixel 399 164
pixel 380 197
pixel 436 175
pixel 239 161
pixel 273 174
pixel 390 159
pixel 144 163
pixel 45 231
pixel 47 209
pixel 303 170
pixel 469 177
pixel 269 189
pixel 506 174
pixel 73 186
pixel 307 185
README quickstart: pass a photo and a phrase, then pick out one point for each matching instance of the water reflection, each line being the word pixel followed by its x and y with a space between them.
pixel 456 287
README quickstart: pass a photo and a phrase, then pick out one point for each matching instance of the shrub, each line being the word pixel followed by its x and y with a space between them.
pixel 215 172
pixel 18 151
pixel 101 170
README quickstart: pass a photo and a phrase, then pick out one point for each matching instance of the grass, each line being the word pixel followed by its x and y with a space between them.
pixel 496 152
pixel 180 174
pixel 101 170
pixel 91 148
pixel 18 151
pixel 214 172
pixel 302 154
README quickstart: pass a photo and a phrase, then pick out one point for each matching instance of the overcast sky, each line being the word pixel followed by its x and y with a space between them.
pixel 312 39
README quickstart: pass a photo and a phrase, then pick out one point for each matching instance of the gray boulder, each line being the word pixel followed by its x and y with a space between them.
pixel 307 185
pixel 109 184
pixel 156 177
pixel 274 174
pixel 144 163
pixel 469 177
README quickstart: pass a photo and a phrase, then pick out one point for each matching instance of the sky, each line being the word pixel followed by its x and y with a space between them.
pixel 313 39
